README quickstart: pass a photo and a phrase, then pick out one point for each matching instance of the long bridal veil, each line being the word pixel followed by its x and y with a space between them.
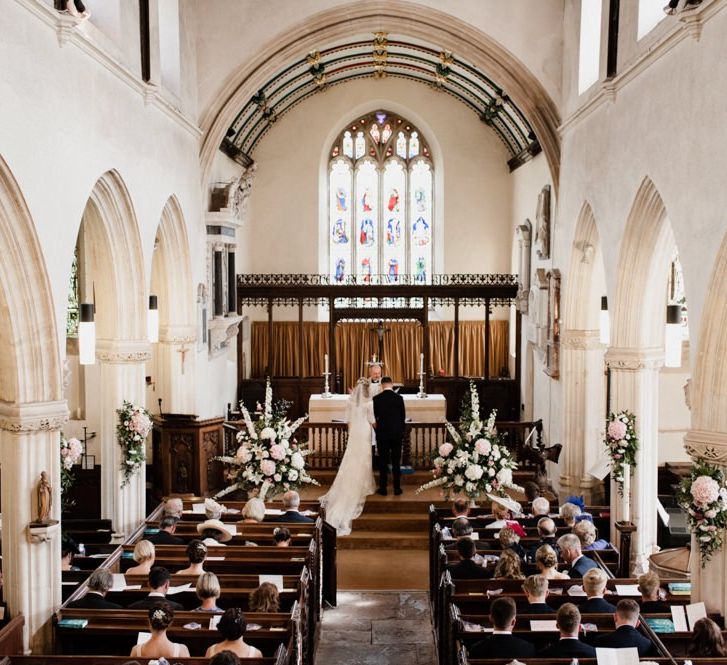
pixel 354 481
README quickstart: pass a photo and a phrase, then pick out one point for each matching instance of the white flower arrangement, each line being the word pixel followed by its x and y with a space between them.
pixel 71 451
pixel 269 461
pixel 621 443
pixel 474 461
pixel 133 428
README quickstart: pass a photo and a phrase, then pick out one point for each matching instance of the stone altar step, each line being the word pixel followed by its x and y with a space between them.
pixel 389 540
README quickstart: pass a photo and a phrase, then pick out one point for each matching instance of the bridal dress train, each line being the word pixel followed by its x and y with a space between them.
pixel 354 481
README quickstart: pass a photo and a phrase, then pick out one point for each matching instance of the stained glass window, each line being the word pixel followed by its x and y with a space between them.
pixel 381 183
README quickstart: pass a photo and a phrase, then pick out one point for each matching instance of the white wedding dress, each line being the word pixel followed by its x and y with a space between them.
pixel 354 481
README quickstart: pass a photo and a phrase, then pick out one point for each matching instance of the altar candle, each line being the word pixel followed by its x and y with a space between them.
pixel 626 498
pixel 421 363
pixel 325 358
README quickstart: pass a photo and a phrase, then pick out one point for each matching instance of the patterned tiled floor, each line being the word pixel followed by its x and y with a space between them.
pixel 377 628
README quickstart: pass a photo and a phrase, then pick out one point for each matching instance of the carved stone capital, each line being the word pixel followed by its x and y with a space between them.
pixel 634 359
pixel 222 331
pixel 178 335
pixel 115 351
pixel 707 446
pixel 33 417
pixel 580 340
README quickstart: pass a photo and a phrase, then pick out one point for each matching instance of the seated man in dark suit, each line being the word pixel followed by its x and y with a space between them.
pixel 626 635
pixel 291 503
pixel 165 535
pixel 461 528
pixel 536 589
pixel 570 552
pixel 460 508
pixel 546 531
pixel 650 586
pixel 568 621
pixel 98 586
pixel 467 568
pixel 594 584
pixel 159 578
pixel 502 643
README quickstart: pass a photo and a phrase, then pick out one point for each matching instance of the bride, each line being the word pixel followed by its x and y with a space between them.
pixel 354 481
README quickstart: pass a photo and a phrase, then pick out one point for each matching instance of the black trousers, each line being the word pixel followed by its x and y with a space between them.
pixel 389 451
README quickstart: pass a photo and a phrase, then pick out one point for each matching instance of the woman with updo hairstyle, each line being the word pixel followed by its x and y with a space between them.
pixel 281 536
pixel 196 553
pixel 508 567
pixel 144 555
pixel 546 561
pixel 159 645
pixel 265 598
pixel 707 640
pixel 232 627
pixel 225 658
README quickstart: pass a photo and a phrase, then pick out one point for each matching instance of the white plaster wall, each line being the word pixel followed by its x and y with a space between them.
pixel 673 414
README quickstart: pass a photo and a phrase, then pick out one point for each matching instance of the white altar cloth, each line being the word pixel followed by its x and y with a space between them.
pixel 430 409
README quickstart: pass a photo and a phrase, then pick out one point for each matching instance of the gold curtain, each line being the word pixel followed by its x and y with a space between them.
pixel 357 342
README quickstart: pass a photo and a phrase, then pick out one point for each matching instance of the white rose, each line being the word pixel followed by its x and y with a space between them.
pixel 491 472
pixel 504 476
pixel 284 443
pixel 277 477
pixel 710 514
pixel 268 433
pixel 297 461
pixel 458 480
pixel 292 475
pixel 474 472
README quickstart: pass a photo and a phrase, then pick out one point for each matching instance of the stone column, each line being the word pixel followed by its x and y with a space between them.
pixel 176 354
pixel 122 378
pixel 709 584
pixel 635 387
pixel 582 374
pixel 30 444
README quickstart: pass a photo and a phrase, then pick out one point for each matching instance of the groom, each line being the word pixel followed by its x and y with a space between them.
pixel 390 422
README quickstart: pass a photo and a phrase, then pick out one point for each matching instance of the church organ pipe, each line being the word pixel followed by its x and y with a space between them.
pixel 219 304
pixel 231 284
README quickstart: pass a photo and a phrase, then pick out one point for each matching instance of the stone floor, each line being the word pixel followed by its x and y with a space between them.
pixel 372 569
pixel 377 628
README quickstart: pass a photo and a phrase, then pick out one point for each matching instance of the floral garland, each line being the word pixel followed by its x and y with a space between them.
pixel 269 460
pixel 71 452
pixel 621 444
pixel 475 461
pixel 133 428
pixel 703 496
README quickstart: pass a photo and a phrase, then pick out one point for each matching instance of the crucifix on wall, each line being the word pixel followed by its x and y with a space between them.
pixel 182 351
pixel 380 331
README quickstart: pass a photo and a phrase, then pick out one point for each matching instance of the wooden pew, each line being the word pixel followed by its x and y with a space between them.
pixel 280 658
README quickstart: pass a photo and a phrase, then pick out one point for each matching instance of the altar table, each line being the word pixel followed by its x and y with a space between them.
pixel 430 409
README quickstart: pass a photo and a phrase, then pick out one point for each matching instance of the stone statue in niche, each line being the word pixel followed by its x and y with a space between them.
pixel 202 316
pixel 552 357
pixel 540 313
pixel 542 217
pixel 241 193
pixel 45 499
pixel 524 240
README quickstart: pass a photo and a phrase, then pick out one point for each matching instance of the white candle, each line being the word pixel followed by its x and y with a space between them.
pixel 626 498
pixel 421 363
pixel 325 358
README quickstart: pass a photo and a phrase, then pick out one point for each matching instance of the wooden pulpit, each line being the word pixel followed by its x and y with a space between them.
pixel 183 449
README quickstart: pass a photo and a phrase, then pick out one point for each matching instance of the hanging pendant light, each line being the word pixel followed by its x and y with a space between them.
pixel 673 336
pixel 604 322
pixel 152 320
pixel 87 335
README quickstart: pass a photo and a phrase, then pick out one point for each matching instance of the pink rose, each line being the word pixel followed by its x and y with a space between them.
pixel 483 447
pixel 243 454
pixel 705 490
pixel 267 467
pixel 616 430
pixel 277 452
pixel 445 449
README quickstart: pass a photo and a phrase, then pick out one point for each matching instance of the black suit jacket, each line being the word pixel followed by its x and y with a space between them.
pixel 655 607
pixel 597 606
pixel 150 601
pixel 94 601
pixel 537 608
pixel 583 565
pixel 569 648
pixel 502 646
pixel 290 516
pixel 390 415
pixel 550 540
pixel 624 637
pixel 164 538
pixel 468 570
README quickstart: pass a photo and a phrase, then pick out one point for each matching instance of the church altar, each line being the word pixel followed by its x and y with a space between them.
pixel 430 409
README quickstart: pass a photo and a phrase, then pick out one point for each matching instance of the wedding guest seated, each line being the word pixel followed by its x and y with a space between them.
pixel 208 591
pixel 509 540
pixel 570 552
pixel 265 598
pixel 569 512
pixel 291 504
pixel 508 567
pixel 499 512
pixel 165 535
pixel 196 554
pixel 649 587
pixel 253 511
pixel 626 619
pixel 69 549
pixel 540 507
pixel 502 643
pixel 225 658
pixel 707 640
pixel 546 531
pixel 546 561
pixel 586 532
pixel 173 507
pixel 98 586
pixel 213 510
pixel 214 533
pixel 467 568
pixel 532 490
pixel 568 620
pixel 536 589
pixel 461 528
pixel 460 508
pixel 594 584
pixel 232 627
pixel 281 536
pixel 159 579
pixel 144 554
pixel 159 645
